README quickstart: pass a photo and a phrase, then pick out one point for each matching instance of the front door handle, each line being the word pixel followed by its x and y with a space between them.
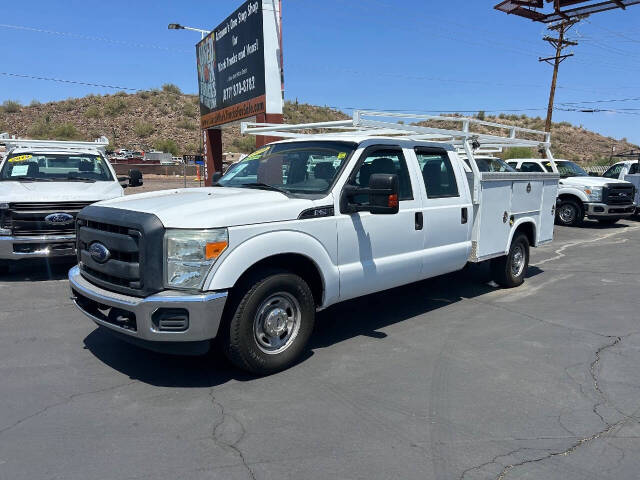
pixel 419 221
pixel 464 217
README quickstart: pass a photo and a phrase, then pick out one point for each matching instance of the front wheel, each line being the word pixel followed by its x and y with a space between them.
pixel 4 267
pixel 569 213
pixel 269 326
pixel 509 271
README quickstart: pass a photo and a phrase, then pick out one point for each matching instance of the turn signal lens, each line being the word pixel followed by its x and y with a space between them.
pixel 214 249
pixel 587 191
pixel 393 201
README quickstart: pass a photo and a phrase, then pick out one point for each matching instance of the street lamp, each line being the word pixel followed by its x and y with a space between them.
pixel 177 26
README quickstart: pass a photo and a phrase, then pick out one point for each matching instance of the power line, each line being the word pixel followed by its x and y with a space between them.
pixel 95 39
pixel 602 101
pixel 61 80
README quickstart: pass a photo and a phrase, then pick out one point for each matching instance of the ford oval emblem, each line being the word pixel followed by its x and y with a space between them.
pixel 99 252
pixel 59 219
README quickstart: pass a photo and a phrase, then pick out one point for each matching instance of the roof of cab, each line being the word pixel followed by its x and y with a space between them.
pixel 366 140
pixel 53 151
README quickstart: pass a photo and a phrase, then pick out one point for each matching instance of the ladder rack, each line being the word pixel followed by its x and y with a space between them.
pixel 99 144
pixel 463 138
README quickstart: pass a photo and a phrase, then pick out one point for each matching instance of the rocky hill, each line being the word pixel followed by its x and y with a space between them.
pixel 166 119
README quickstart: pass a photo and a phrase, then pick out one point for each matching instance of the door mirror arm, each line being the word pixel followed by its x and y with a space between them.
pixel 383 196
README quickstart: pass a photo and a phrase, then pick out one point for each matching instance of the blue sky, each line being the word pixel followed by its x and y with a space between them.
pixel 410 55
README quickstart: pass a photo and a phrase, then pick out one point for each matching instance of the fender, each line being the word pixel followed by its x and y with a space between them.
pixel 522 221
pixel 225 274
pixel 576 192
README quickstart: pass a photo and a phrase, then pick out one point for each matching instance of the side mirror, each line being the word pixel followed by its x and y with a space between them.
pixel 383 196
pixel 135 178
pixel 216 176
pixel 123 181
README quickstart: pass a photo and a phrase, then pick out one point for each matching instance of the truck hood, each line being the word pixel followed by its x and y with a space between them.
pixel 58 191
pixel 213 207
pixel 588 181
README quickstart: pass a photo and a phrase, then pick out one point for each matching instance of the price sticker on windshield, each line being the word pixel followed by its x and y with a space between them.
pixel 258 153
pixel 342 155
pixel 20 158
pixel 19 170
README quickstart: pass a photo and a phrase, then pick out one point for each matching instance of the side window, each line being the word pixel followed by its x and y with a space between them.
pixel 513 164
pixel 531 167
pixel 438 174
pixel 634 169
pixel 614 172
pixel 384 161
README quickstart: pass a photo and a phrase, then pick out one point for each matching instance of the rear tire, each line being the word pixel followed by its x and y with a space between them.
pixel 569 213
pixel 4 267
pixel 269 325
pixel 608 221
pixel 509 271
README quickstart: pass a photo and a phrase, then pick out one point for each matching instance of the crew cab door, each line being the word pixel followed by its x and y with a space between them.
pixel 447 211
pixel 377 252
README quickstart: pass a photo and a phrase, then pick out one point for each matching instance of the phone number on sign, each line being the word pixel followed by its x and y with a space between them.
pixel 239 88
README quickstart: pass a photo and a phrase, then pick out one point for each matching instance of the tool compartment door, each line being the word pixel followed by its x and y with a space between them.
pixel 507 199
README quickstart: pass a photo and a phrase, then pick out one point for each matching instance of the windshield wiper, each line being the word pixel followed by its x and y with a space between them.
pixel 31 179
pixel 81 179
pixel 265 186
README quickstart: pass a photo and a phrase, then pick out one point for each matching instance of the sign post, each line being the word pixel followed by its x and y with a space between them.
pixel 239 74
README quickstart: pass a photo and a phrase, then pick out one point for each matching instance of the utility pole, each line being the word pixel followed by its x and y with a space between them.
pixel 559 44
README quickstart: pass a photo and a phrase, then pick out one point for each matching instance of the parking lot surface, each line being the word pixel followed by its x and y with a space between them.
pixel 450 378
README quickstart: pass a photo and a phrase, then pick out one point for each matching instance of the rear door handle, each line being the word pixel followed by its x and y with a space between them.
pixel 464 217
pixel 419 221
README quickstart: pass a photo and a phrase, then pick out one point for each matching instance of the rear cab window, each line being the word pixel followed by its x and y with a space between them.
pixel 437 172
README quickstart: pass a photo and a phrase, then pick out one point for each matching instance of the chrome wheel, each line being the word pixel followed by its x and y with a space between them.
pixel 277 322
pixel 567 213
pixel 518 261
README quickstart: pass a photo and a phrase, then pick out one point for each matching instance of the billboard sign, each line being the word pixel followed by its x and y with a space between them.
pixel 236 66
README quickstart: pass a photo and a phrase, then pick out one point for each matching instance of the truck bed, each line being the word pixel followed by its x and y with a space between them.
pixel 527 196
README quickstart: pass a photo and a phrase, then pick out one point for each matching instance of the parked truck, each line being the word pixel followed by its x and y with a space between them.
pixel 43 186
pixel 581 195
pixel 302 224
pixel 627 170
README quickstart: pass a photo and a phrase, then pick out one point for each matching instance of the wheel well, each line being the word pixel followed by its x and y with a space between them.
pixel 294 263
pixel 529 230
pixel 568 196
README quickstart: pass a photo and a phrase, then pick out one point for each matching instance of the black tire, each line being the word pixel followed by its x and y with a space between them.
pixel 563 215
pixel 503 270
pixel 272 293
pixel 608 221
pixel 4 267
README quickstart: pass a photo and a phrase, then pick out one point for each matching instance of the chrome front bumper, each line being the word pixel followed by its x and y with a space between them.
pixel 203 311
pixel 602 210
pixel 46 246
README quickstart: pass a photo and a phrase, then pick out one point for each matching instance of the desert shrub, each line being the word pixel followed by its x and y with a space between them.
pixel 166 145
pixel 143 129
pixel 11 106
pixel 187 124
pixel 243 144
pixel 41 128
pixel 144 94
pixel 115 106
pixel 481 115
pixel 121 93
pixel 517 152
pixel 34 103
pixel 65 131
pixel 171 88
pixel 190 110
pixel 92 111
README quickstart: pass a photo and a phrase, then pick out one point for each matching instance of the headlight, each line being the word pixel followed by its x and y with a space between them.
pixel 190 255
pixel 594 193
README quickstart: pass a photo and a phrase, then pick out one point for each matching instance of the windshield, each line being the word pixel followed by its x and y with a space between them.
pixel 299 167
pixel 491 165
pixel 33 167
pixel 567 169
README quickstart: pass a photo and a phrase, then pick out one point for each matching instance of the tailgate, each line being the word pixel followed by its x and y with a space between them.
pixel 507 200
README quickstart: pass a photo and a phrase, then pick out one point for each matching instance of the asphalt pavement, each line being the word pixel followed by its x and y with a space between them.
pixel 450 378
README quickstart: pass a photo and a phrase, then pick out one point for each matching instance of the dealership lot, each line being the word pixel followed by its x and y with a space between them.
pixel 456 380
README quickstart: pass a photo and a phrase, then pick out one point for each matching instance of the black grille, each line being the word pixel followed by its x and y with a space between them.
pixel 134 242
pixel 618 194
pixel 28 219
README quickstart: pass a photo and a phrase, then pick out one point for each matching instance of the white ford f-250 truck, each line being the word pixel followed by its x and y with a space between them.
pixel 627 170
pixel 581 195
pixel 300 225
pixel 43 186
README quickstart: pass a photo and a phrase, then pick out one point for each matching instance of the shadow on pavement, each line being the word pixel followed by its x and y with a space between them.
pixel 362 316
pixel 35 270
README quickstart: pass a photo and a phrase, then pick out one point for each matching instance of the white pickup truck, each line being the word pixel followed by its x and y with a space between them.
pixel 43 185
pixel 300 225
pixel 581 195
pixel 627 170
